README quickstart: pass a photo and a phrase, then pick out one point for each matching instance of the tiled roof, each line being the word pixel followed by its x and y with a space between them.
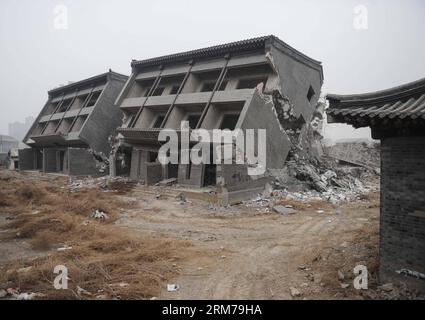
pixel 76 84
pixel 232 47
pixel 402 102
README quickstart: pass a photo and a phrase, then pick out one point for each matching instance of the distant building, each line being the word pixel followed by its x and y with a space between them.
pixel 19 129
pixel 72 130
pixel 396 117
pixel 7 143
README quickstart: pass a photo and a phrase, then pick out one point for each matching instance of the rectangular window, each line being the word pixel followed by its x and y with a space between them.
pixel 223 85
pixel 193 120
pixel 174 89
pixel 158 91
pixel 229 121
pixel 64 106
pixel 251 82
pixel 209 86
pixel 93 99
pixel 152 156
pixel 158 121
pixel 188 171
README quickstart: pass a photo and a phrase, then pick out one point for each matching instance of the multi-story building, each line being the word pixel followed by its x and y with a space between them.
pixel 73 127
pixel 260 83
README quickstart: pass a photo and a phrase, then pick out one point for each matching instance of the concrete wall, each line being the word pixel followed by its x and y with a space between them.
pixel 196 175
pixel 142 170
pixel 295 79
pixel 104 119
pixel 135 164
pixel 402 243
pixel 81 162
pixel 49 160
pixel 235 183
pixel 278 143
pixel 153 173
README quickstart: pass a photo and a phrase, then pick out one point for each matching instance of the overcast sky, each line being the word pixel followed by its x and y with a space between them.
pixel 36 56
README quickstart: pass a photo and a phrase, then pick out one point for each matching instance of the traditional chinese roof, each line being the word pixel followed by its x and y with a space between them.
pixel 405 103
pixel 259 43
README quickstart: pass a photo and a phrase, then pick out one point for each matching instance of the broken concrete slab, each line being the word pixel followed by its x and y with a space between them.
pixel 167 182
pixel 284 210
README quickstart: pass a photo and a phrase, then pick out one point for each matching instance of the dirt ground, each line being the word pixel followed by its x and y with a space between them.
pixel 210 252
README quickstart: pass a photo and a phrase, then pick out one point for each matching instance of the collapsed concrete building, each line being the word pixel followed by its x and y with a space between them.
pixel 396 117
pixel 260 83
pixel 70 135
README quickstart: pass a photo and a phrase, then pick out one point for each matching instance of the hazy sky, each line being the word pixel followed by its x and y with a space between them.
pixel 35 56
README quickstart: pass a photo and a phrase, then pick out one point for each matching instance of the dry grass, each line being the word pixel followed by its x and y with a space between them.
pixel 103 255
pixel 342 252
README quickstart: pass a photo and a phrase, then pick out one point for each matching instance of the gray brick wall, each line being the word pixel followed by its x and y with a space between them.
pixel 402 208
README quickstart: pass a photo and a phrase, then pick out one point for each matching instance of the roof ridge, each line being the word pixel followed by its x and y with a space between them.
pixel 393 92
pixel 246 44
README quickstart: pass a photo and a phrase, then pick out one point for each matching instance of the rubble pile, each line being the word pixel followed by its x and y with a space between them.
pixel 104 183
pixel 329 182
pixel 313 180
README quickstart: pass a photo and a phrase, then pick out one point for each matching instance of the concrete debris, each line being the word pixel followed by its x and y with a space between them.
pixel 101 182
pixel 98 214
pixel 181 198
pixel 14 294
pixel 410 273
pixel 313 180
pixel 341 276
pixel 24 270
pixel 345 285
pixel 391 291
pixel 167 182
pixel 358 153
pixel 387 287
pixel 119 284
pixel 284 210
pixel 294 292
pixel 64 248
pixel 101 160
pixel 81 291
pixel 172 287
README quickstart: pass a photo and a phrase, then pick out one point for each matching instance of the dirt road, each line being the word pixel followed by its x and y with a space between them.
pixel 260 256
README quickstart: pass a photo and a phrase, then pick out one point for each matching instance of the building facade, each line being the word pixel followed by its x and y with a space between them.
pixel 396 117
pixel 73 127
pixel 260 83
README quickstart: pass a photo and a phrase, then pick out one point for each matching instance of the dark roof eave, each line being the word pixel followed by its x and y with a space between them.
pixel 214 51
pixel 85 82
pixel 377 97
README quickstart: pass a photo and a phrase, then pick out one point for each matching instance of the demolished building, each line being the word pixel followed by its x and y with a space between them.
pixel 396 117
pixel 70 135
pixel 260 83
